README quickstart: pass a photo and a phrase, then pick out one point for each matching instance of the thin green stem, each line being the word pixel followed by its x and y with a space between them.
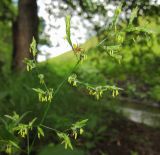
pixel 57 90
pixel 39 73
pixel 47 127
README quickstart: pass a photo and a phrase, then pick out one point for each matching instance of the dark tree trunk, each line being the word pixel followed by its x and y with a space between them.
pixel 24 28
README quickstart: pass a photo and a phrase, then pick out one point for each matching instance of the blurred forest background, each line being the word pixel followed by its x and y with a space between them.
pixel 127 124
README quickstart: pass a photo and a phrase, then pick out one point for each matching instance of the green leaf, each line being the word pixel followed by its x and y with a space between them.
pixel 14 144
pixel 116 15
pixel 15 117
pixel 68 33
pixel 32 122
pixel 139 29
pixel 10 117
pixel 65 139
pixel 113 47
pixel 30 64
pixel 40 132
pixel 39 90
pixel 33 47
pixel 133 15
pixel 80 124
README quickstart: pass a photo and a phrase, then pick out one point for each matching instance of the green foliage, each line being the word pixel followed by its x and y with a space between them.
pixel 139 29
pixel 33 47
pixel 44 96
pixel 133 47
pixel 73 79
pixel 96 91
pixel 14 124
pixel 23 129
pixel 40 132
pixel 59 149
pixel 65 139
pixel 79 124
pixel 78 127
pixel 41 78
pixel 5 47
pixel 78 51
pixel 113 51
pixel 68 33
pixel 155 92
pixel 133 16
pixel 116 16
pixel 75 129
pixel 30 64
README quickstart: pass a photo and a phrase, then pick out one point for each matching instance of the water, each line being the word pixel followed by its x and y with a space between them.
pixel 140 113
pixel 144 117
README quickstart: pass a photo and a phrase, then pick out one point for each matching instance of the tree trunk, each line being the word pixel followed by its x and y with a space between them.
pixel 24 28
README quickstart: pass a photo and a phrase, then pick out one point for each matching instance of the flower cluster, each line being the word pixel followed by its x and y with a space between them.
pixel 96 91
pixel 44 96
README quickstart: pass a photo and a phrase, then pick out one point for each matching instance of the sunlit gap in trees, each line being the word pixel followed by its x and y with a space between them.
pixel 82 29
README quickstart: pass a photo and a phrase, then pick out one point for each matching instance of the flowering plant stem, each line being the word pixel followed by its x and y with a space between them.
pixel 48 105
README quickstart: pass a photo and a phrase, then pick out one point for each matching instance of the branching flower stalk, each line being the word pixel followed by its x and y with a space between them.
pixel 45 95
pixel 48 94
pixel 96 91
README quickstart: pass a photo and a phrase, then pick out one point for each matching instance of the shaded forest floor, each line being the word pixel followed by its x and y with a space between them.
pixel 113 135
pixel 125 137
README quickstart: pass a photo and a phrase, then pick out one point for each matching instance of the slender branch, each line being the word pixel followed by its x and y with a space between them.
pixel 57 90
pixel 39 73
pixel 47 127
